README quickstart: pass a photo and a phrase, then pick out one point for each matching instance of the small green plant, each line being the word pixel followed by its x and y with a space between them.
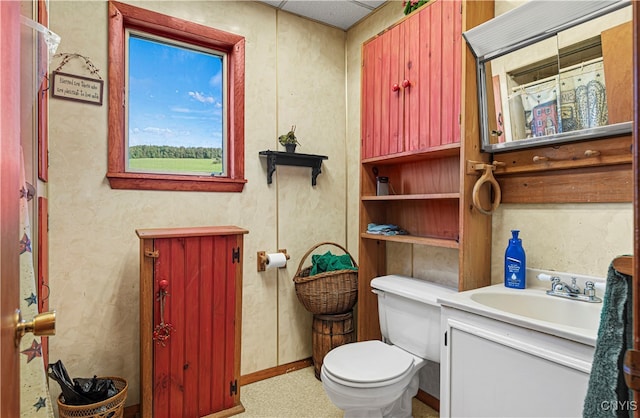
pixel 289 137
pixel 411 5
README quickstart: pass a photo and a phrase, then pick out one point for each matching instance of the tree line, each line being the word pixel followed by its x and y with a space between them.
pixel 166 151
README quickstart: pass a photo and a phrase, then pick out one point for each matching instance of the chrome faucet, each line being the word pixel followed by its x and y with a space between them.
pixel 572 291
pixel 558 285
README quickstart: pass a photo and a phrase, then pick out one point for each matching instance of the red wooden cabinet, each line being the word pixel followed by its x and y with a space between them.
pixel 411 83
pixel 190 318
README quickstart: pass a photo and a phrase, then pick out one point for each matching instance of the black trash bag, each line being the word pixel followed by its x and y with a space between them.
pixel 81 391
pixel 95 389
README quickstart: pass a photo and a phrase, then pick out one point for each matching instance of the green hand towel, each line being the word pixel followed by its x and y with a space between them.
pixel 329 262
pixel 607 393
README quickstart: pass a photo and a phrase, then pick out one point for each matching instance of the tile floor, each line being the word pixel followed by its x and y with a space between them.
pixel 298 395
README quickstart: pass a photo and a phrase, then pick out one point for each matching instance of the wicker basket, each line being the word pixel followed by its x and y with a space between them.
pixel 332 292
pixel 109 408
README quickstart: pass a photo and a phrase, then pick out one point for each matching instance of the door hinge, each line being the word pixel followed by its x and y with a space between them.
pixel 233 388
pixel 152 253
pixel 445 338
pixel 235 255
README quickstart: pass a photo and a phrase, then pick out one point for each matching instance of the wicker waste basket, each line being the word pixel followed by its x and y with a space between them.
pixel 109 408
pixel 331 292
pixel 329 332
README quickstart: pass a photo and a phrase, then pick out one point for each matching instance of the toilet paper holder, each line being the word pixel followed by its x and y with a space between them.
pixel 262 259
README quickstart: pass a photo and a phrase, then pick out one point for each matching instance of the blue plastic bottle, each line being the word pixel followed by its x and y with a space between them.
pixel 515 263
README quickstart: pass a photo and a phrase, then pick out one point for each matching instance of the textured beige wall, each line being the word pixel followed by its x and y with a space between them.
pixel 294 75
pixel 310 80
pixel 576 238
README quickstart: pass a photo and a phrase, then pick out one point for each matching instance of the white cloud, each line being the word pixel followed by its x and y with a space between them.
pixel 216 80
pixel 201 97
pixel 158 131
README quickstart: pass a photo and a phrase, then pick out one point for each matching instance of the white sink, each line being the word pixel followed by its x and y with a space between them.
pixel 543 307
pixel 532 308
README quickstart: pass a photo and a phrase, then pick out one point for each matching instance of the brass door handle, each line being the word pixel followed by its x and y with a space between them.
pixel 43 324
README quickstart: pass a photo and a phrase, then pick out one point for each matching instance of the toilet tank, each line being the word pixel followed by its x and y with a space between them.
pixel 410 314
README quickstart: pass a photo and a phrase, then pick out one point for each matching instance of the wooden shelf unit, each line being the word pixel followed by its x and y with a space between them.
pixel 420 137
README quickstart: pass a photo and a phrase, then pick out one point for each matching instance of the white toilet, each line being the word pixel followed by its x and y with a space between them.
pixel 379 379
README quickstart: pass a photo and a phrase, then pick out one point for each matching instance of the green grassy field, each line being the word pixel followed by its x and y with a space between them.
pixel 181 165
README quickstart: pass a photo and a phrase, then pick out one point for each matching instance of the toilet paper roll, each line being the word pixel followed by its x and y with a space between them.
pixel 276 260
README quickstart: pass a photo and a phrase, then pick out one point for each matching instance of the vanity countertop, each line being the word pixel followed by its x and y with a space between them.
pixel 532 308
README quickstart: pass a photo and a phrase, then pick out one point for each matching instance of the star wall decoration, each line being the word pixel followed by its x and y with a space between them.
pixel 34 351
pixel 25 244
pixel 31 300
pixel 42 402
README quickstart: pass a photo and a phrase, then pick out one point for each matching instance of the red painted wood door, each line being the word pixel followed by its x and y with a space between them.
pixel 411 83
pixel 9 205
pixel 433 66
pixel 382 96
pixel 193 372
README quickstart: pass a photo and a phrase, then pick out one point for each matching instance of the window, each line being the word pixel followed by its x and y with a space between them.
pixel 175 114
pixel 176 104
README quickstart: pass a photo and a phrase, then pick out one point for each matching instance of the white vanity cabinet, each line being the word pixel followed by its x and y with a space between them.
pixel 493 368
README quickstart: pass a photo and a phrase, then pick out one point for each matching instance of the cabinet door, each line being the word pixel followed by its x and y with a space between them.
pixel 433 67
pixel 382 108
pixel 411 83
pixel 195 366
pixel 498 376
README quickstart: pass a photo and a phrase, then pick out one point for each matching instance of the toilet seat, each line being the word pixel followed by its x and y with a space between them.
pixel 368 364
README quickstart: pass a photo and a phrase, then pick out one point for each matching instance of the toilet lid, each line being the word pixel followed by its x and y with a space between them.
pixel 367 362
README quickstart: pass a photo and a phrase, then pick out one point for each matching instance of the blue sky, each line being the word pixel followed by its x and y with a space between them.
pixel 175 95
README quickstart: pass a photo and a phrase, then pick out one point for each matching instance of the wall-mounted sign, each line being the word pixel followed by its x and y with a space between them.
pixel 76 88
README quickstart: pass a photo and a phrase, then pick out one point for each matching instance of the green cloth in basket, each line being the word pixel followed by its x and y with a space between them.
pixel 330 262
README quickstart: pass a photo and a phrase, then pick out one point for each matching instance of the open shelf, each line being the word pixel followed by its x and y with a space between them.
pixel 448 150
pixel 423 196
pixel 275 158
pixel 413 239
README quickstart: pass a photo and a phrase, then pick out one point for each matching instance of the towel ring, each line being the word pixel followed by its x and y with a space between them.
pixel 487 177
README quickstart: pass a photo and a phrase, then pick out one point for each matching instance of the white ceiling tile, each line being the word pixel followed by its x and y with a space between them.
pixel 274 3
pixel 372 4
pixel 336 13
pixel 339 13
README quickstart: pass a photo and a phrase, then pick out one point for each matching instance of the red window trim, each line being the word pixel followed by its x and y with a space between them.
pixel 124 16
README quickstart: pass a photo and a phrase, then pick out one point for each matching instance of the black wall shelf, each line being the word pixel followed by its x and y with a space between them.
pixel 293 158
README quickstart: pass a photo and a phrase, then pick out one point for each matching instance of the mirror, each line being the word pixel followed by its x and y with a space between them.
pixel 554 80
